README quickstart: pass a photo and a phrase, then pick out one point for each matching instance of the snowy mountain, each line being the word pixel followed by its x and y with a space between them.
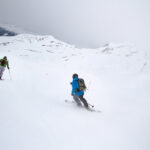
pixel 4 32
pixel 33 112
pixel 11 30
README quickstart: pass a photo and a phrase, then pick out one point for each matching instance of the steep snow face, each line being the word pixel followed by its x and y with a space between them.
pixel 111 57
pixel 34 116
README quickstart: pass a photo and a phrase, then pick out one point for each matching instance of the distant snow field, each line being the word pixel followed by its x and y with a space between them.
pixel 33 112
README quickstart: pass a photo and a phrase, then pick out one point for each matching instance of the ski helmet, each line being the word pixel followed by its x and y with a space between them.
pixel 74 75
pixel 5 57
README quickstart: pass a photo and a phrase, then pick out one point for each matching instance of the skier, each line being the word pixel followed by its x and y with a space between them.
pixel 3 64
pixel 77 93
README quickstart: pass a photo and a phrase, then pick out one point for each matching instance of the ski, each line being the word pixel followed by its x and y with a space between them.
pixel 92 109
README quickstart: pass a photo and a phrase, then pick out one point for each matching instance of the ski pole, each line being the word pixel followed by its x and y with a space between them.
pixel 89 85
pixel 9 74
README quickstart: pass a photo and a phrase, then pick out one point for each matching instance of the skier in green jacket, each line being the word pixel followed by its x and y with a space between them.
pixel 3 64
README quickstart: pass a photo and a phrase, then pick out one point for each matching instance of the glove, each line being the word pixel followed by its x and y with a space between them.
pixel 8 67
pixel 77 90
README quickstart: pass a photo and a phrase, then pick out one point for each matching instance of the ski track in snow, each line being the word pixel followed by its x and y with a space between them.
pixel 34 116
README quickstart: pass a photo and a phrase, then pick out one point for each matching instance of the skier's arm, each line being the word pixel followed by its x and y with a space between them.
pixel 7 65
pixel 73 90
pixel 74 87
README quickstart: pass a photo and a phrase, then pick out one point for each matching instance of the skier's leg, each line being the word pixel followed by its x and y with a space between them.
pixel 76 98
pixel 84 101
pixel 1 71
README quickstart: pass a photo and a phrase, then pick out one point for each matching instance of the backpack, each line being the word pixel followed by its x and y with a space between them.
pixel 3 62
pixel 82 86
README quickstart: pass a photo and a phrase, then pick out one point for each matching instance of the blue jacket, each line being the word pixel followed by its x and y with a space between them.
pixel 75 86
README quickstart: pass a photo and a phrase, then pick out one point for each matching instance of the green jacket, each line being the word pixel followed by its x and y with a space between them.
pixel 6 64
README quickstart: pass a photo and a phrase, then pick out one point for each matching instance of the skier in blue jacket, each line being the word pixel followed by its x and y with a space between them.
pixel 76 93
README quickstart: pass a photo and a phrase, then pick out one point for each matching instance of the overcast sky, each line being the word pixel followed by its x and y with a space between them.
pixel 85 23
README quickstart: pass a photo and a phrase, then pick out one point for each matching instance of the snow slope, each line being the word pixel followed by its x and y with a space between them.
pixel 34 116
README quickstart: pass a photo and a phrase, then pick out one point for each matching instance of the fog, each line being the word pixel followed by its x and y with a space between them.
pixel 84 23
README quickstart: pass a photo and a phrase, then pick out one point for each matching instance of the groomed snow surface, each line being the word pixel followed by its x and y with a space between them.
pixel 34 116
